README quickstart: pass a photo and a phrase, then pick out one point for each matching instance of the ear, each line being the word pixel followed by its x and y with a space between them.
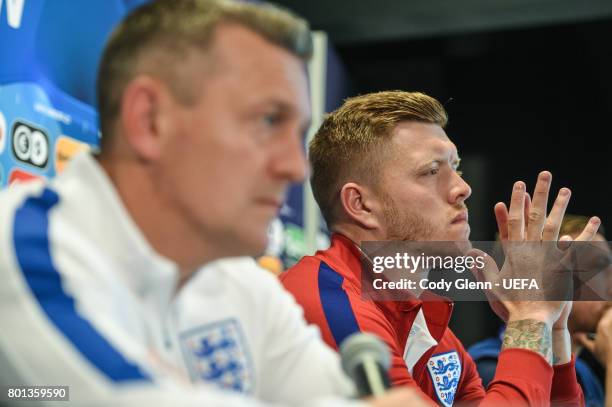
pixel 140 110
pixel 360 205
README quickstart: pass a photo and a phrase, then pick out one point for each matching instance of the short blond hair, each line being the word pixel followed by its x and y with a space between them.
pixel 170 30
pixel 349 144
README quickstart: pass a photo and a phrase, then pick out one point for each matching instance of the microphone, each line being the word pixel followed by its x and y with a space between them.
pixel 366 359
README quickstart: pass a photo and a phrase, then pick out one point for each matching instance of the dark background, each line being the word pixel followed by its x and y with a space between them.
pixel 527 85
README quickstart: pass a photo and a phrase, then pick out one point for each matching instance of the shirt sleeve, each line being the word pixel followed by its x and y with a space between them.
pixel 298 365
pixel 522 378
pixel 513 384
pixel 565 388
pixel 34 351
pixel 370 319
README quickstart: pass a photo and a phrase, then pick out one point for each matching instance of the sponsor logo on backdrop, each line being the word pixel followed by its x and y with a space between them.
pixel 66 148
pixel 3 134
pixel 54 114
pixel 30 144
pixel 19 176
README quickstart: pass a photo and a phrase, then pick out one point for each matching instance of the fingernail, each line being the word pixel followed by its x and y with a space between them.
pixel 519 185
pixel 595 220
pixel 564 192
pixel 545 176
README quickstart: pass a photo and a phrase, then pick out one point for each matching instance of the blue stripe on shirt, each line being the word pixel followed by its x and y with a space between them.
pixel 30 234
pixel 336 305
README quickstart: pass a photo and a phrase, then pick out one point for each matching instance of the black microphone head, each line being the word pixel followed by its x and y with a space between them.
pixel 359 346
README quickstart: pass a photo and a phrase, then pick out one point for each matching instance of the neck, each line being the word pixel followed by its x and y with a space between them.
pixel 169 233
pixel 356 233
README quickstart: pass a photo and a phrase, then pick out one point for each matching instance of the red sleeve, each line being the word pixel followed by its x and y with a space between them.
pixel 470 389
pixel 302 281
pixel 565 388
pixel 522 378
pixel 371 320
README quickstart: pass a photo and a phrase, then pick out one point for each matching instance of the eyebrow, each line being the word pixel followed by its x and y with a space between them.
pixel 456 162
pixel 284 107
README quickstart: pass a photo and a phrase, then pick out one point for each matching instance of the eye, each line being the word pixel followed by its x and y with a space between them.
pixel 272 119
pixel 433 171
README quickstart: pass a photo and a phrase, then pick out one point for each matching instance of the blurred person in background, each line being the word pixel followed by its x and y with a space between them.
pixel 601 348
pixel 203 105
pixel 584 318
pixel 384 169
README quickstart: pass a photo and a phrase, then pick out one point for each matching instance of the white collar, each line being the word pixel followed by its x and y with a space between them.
pixel 101 215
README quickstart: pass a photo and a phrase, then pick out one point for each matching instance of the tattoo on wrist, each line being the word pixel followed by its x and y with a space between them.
pixel 529 334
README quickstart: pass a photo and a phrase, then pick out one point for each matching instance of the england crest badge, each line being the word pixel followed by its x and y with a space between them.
pixel 217 353
pixel 445 371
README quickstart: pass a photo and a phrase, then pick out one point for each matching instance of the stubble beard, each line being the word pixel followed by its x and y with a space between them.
pixel 409 226
pixel 405 225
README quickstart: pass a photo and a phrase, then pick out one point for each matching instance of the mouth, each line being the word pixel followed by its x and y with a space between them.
pixel 461 218
pixel 274 203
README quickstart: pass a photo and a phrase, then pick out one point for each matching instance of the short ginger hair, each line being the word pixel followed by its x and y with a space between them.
pixel 349 145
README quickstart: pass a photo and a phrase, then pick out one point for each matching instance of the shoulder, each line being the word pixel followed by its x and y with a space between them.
pixel 237 279
pixel 17 204
pixel 306 268
pixel 242 273
pixel 17 192
pixel 14 197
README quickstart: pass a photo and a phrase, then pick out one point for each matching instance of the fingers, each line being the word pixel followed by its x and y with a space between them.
pixel 501 216
pixel 489 272
pixel 553 222
pixel 590 230
pixel 605 323
pixel 583 340
pixel 527 209
pixel 516 222
pixel 537 214
pixel 565 242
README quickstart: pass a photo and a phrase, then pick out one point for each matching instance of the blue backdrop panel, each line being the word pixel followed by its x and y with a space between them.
pixel 49 53
pixel 48 64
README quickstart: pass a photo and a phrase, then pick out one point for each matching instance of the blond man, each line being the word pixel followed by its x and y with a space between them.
pixel 383 169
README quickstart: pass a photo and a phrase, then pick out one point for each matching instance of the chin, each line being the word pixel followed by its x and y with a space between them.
pixel 257 245
pixel 253 244
pixel 464 246
pixel 463 235
pixel 462 243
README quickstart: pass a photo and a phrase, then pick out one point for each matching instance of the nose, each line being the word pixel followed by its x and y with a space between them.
pixel 289 162
pixel 460 190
